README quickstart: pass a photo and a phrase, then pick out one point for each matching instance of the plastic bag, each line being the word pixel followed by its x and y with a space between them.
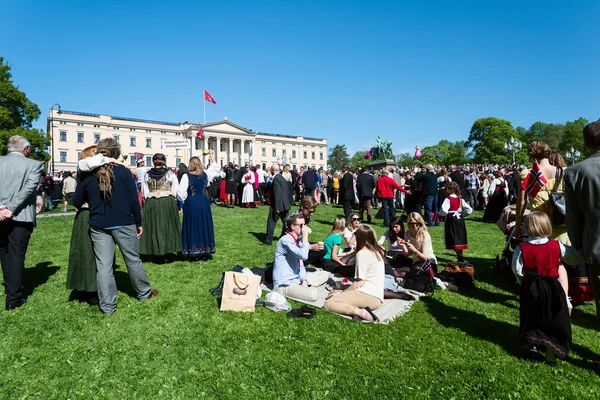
pixel 275 301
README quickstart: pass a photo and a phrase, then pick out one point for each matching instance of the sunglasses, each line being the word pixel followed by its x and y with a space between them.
pixel 414 223
pixel 300 225
pixel 355 219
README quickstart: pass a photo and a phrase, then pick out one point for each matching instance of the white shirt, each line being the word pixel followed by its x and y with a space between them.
pixel 371 271
pixel 348 235
pixel 495 183
pixel 466 208
pixel 211 172
pixel 391 246
pixel 261 175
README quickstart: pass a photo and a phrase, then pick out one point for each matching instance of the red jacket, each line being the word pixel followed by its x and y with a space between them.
pixel 385 187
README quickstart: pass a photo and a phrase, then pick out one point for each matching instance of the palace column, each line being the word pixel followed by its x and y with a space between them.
pixel 230 151
pixel 252 151
pixel 243 152
pixel 218 151
pixel 206 157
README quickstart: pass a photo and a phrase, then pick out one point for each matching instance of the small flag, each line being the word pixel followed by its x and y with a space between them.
pixel 534 181
pixel 138 156
pixel 200 131
pixel 208 97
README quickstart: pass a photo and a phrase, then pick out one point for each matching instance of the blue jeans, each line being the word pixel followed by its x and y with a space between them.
pixel 431 207
pixel 49 202
pixel 388 210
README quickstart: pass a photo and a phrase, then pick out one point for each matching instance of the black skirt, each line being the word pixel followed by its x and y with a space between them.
pixel 495 206
pixel 544 316
pixel 455 233
pixel 231 187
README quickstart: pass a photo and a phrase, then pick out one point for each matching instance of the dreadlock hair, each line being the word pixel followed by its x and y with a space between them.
pixel 108 148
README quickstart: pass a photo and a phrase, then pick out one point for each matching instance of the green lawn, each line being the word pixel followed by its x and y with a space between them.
pixel 179 346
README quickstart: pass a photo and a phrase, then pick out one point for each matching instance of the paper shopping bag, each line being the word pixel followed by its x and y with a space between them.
pixel 239 292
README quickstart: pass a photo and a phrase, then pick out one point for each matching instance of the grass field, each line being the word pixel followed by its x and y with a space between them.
pixel 179 346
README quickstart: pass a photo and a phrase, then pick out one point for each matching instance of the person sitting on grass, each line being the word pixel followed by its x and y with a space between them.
pixel 417 243
pixel 308 206
pixel 289 274
pixel 352 224
pixel 544 309
pixel 366 292
pixel 335 260
pixel 394 237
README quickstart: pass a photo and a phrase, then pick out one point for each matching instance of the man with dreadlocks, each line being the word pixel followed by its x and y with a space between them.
pixel 115 218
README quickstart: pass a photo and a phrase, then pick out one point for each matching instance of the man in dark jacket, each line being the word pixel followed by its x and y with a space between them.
pixel 458 177
pixel 347 190
pixel 430 193
pixel 310 182
pixel 365 185
pixel 279 204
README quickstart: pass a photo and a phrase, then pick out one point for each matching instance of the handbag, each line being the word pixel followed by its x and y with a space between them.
pixel 420 278
pixel 454 267
pixel 239 291
pixel 557 199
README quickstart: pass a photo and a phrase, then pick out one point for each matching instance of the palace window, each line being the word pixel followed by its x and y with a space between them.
pixel 306 154
pixel 132 141
pixel 63 156
pixel 264 151
pixel 320 155
pixel 313 155
pixel 149 144
pixel 117 138
pixel 293 153
pixel 63 136
pixel 148 161
pixel 132 160
pixel 96 138
pixel 79 137
pixel 274 152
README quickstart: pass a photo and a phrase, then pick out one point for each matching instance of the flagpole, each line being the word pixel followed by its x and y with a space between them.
pixel 204 102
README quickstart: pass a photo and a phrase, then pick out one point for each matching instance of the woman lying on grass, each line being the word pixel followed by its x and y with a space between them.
pixel 366 293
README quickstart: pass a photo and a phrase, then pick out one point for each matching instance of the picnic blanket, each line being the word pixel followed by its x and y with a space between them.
pixel 387 312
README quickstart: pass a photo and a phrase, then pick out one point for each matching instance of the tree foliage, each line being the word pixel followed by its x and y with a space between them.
pixel 358 160
pixel 338 156
pixel 487 138
pixel 445 153
pixel 405 160
pixel 17 113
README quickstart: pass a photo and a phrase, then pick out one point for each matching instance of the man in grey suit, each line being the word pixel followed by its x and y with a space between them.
pixel 19 177
pixel 279 200
pixel 582 190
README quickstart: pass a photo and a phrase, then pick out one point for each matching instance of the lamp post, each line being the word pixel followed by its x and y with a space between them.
pixel 513 146
pixel 573 155
pixel 52 132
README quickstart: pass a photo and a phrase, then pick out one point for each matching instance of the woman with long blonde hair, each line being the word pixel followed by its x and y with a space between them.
pixel 366 292
pixel 197 232
pixel 81 271
pixel 417 241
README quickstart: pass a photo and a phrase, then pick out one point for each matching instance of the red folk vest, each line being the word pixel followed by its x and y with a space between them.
pixel 541 259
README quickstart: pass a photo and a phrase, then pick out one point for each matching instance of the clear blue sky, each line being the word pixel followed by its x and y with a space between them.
pixel 412 72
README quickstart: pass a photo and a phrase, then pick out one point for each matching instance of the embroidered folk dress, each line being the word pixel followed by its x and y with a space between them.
pixel 197 234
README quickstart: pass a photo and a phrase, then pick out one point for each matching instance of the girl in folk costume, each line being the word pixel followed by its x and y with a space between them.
pixel 455 209
pixel 256 185
pixel 198 232
pixel 81 272
pixel 498 198
pixel 162 228
pixel 544 311
pixel 248 193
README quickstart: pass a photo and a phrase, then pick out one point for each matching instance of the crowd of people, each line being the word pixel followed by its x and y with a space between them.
pixel 112 201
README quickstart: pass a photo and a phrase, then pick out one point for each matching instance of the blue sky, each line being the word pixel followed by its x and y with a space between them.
pixel 412 72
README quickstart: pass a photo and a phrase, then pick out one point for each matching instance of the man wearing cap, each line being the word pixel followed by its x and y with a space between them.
pixel 430 193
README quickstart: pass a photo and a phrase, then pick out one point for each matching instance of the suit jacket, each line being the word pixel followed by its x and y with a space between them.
pixel 365 184
pixel 19 177
pixel 280 194
pixel 347 187
pixel 582 191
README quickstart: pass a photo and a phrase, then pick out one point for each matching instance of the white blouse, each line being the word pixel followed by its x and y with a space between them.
pixel 174 183
pixel 466 208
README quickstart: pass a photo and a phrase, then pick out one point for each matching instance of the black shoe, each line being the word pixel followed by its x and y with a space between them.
pixel 266 244
pixel 11 307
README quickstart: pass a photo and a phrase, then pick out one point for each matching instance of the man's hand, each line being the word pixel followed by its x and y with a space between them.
pixel 5 213
pixel 304 284
pixel 305 232
pixel 140 230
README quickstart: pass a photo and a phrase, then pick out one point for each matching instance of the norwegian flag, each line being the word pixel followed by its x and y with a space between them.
pixel 200 131
pixel 138 156
pixel 534 181
pixel 208 97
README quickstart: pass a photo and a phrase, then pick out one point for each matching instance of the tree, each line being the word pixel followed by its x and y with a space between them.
pixel 404 160
pixel 487 138
pixel 17 113
pixel 358 160
pixel 573 136
pixel 338 156
pixel 458 153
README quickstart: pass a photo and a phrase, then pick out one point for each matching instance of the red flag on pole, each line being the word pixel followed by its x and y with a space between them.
pixel 208 97
pixel 200 131
pixel 534 181
pixel 138 156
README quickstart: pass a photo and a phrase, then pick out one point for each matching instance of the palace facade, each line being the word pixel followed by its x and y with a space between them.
pixel 73 131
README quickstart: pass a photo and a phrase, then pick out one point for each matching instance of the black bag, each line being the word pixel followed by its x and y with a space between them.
pixel 420 279
pixel 558 201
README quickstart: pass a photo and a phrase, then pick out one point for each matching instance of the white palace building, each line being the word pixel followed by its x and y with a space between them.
pixel 73 131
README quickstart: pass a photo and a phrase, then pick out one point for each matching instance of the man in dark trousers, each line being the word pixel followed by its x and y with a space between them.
pixel 19 178
pixel 347 190
pixel 458 177
pixel 430 194
pixel 310 182
pixel 279 204
pixel 365 185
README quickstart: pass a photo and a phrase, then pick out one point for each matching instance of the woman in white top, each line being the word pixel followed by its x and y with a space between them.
pixel 417 241
pixel 484 186
pixel 248 193
pixel 366 292
pixel 394 237
pixel 162 227
pixel 352 224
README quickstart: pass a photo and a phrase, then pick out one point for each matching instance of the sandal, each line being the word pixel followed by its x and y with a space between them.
pixel 375 319
pixel 302 312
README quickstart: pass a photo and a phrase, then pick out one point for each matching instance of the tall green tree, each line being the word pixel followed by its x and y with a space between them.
pixel 358 160
pixel 573 136
pixel 338 156
pixel 17 114
pixel 487 138
pixel 404 160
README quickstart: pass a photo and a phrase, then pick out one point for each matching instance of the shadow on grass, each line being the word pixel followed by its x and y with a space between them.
pixel 260 236
pixel 584 320
pixel 37 276
pixel 502 334
pixel 124 284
